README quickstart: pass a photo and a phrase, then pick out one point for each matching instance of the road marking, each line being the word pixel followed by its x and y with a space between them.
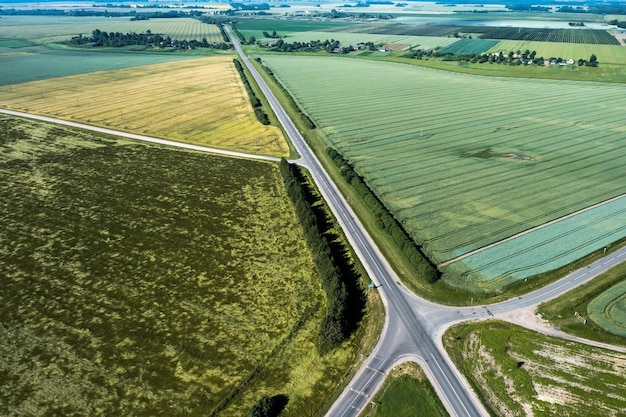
pixel 450 384
pixel 361 393
pixel 375 370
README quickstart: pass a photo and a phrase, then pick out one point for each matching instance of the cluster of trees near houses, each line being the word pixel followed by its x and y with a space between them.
pixel 344 298
pixel 512 58
pixel 100 38
pixel 330 46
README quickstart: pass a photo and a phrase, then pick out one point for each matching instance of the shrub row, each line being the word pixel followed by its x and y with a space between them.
pixel 254 100
pixel 385 220
pixel 307 121
pixel 342 299
pixel 217 22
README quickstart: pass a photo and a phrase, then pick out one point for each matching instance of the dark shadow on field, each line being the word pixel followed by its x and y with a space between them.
pixel 279 402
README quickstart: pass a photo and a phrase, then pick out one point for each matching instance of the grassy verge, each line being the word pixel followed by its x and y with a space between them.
pixel 517 372
pixel 406 393
pixel 561 312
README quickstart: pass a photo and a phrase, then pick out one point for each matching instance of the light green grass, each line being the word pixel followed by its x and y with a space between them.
pixel 347 38
pixel 463 161
pixel 406 393
pixel 517 372
pixel 142 280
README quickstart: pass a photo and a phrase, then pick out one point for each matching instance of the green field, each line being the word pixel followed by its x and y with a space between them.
pixel 255 27
pixel 430 143
pixel 39 62
pixel 549 248
pixel 141 280
pixel 346 38
pixel 608 310
pixel 51 29
pixel 607 54
pixel 406 393
pixel 517 372
pixel 469 46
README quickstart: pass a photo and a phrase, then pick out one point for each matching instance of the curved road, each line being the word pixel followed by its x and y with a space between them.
pixel 413 325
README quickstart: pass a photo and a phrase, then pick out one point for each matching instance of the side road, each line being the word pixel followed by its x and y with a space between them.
pixel 138 137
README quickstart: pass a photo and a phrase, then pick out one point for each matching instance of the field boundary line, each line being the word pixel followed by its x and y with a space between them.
pixel 135 136
pixel 541 226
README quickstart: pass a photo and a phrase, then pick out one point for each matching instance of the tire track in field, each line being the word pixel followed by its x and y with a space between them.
pixel 458 258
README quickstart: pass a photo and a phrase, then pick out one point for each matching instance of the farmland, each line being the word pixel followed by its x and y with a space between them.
pixel 430 143
pixel 608 310
pixel 607 54
pixel 586 36
pixel 143 281
pixel 256 27
pixel 537 252
pixel 516 372
pixel 469 46
pixel 51 29
pixel 200 101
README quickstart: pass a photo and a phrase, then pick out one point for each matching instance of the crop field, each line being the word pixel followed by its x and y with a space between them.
pixel 517 372
pixel 608 310
pixel 434 30
pixel 256 27
pixel 141 280
pixel 33 63
pixel 551 247
pixel 347 38
pixel 587 36
pixel 469 46
pixel 50 29
pixel 607 54
pixel 200 101
pixel 458 159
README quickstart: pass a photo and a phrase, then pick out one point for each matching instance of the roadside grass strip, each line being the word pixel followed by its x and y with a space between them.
pixel 464 161
pixel 542 250
pixel 518 372
pixel 200 101
pixel 49 29
pixel 141 280
pixel 608 310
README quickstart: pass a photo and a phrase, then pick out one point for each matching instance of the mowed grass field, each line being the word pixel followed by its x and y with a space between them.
pixel 140 280
pixel 517 372
pixel 608 310
pixel 200 101
pixel 464 161
pixel 51 29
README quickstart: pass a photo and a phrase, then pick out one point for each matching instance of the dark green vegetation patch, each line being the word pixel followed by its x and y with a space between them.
pixel 590 36
pixel 142 281
pixel 469 46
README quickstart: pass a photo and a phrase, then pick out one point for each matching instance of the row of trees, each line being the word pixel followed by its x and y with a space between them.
pixel 512 58
pixel 116 39
pixel 385 220
pixel 344 299
pixel 254 100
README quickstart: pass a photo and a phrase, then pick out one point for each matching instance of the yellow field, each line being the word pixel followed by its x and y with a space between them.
pixel 199 101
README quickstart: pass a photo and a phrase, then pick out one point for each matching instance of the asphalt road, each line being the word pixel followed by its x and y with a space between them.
pixel 413 325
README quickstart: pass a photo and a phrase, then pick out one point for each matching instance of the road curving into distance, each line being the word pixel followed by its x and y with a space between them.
pixel 413 326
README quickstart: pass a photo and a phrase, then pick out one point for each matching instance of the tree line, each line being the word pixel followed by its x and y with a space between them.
pixel 344 297
pixel 101 38
pixel 385 220
pixel 254 100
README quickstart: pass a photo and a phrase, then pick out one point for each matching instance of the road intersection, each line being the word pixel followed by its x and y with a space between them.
pixel 413 326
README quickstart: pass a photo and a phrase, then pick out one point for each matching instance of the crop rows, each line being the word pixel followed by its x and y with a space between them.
pixel 47 29
pixel 198 101
pixel 588 36
pixel 573 238
pixel 403 29
pixel 469 46
pixel 460 160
